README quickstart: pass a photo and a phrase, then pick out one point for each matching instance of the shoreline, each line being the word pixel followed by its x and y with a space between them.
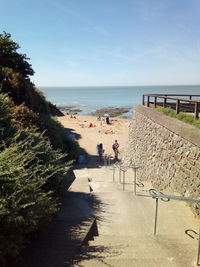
pixel 125 112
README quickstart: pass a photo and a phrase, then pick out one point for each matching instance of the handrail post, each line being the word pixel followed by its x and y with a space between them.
pixel 113 173
pixel 105 160
pixel 135 181
pixel 196 110
pixel 177 106
pixel 143 99
pixel 123 180
pixel 119 175
pixel 198 252
pixel 135 168
pixel 108 160
pixel 156 216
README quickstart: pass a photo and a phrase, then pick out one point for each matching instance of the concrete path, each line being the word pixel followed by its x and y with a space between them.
pixel 59 245
pixel 126 225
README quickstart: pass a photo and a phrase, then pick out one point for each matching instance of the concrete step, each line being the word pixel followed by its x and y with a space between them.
pixel 145 251
pixel 150 244
pixel 140 262
pixel 154 238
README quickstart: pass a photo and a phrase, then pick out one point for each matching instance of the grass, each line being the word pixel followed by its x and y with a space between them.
pixel 181 116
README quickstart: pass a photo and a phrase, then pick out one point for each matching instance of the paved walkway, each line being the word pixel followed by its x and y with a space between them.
pixel 125 226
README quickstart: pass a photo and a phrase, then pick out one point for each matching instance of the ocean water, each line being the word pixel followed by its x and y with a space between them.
pixel 89 99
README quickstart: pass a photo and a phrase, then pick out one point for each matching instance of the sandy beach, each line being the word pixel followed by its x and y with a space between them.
pixel 99 133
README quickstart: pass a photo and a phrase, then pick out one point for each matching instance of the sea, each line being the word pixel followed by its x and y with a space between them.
pixel 89 99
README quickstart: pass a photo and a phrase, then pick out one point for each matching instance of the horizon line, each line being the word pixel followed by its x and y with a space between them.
pixel 117 85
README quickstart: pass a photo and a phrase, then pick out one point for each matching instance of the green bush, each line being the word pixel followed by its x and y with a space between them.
pixel 181 116
pixel 24 117
pixel 33 172
pixel 58 136
pixel 6 128
pixel 31 176
pixel 33 111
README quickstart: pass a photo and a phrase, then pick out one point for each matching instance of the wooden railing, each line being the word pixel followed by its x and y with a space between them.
pixel 186 103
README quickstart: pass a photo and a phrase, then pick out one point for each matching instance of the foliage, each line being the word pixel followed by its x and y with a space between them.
pixel 9 57
pixel 24 117
pixel 30 173
pixel 33 169
pixel 181 116
pixel 31 108
pixel 5 117
pixel 59 137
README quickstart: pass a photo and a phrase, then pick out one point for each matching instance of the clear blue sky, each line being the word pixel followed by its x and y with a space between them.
pixel 107 42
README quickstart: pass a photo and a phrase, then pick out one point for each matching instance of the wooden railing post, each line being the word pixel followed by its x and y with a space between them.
pixel 177 106
pixel 164 102
pixel 192 105
pixel 143 99
pixel 155 102
pixel 196 110
pixel 148 100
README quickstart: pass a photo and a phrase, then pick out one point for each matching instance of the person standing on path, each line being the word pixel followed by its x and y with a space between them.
pixel 100 151
pixel 115 147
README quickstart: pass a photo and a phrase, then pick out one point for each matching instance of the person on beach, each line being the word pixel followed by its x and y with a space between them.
pixel 108 120
pixel 115 147
pixel 100 151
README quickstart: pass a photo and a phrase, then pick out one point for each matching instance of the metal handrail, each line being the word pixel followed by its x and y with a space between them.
pixel 154 193
pixel 157 194
pixel 124 168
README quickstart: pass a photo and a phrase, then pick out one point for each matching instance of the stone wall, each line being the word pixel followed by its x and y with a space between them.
pixel 167 150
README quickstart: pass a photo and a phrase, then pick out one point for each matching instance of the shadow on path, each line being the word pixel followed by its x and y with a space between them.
pixel 99 253
pixel 72 133
pixel 62 242
pixel 91 162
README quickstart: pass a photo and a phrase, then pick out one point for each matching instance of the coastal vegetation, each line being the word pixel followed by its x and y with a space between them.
pixel 36 154
pixel 181 116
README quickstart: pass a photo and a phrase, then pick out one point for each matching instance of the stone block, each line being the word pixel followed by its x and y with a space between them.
pixel 178 157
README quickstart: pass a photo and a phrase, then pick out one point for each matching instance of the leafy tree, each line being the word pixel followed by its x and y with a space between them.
pixel 9 57
pixel 33 170
pixel 33 111
pixel 6 128
pixel 32 175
